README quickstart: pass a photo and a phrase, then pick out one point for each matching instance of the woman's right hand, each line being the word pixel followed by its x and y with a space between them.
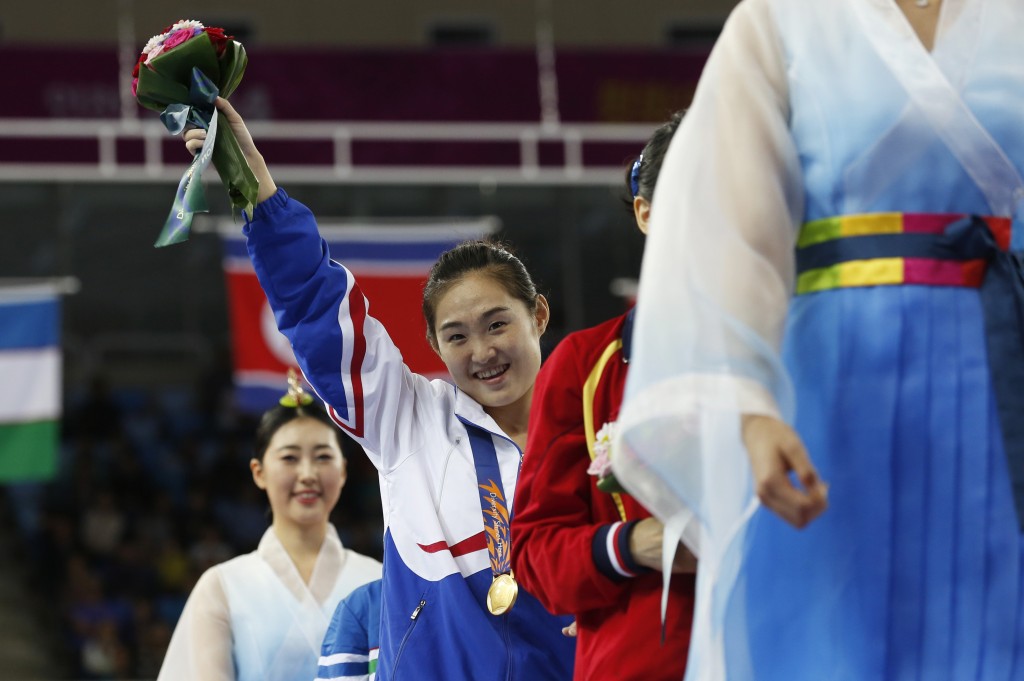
pixel 645 543
pixel 775 451
pixel 194 138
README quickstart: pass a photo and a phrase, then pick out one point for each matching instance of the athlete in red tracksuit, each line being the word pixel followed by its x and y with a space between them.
pixel 573 541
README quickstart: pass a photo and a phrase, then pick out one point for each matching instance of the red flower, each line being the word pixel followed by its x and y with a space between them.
pixel 135 71
pixel 218 39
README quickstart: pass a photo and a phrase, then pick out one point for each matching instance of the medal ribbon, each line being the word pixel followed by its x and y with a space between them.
pixel 493 504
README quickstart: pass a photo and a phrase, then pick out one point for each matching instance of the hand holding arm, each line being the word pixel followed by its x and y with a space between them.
pixel 194 138
pixel 775 451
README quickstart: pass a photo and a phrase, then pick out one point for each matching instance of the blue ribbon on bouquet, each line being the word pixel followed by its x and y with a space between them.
pixel 190 198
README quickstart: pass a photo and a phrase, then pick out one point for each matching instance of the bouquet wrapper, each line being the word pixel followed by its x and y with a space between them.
pixel 182 84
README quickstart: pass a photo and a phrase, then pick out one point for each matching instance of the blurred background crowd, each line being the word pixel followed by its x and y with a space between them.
pixel 152 489
pixel 526 114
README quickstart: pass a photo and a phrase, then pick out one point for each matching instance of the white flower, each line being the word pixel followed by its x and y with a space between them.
pixel 185 23
pixel 154 42
pixel 158 40
pixel 606 435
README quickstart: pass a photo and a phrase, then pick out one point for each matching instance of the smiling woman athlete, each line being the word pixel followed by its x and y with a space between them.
pixel 448 455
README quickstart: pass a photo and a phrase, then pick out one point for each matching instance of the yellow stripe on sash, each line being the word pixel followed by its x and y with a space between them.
pixel 874 272
pixel 827 229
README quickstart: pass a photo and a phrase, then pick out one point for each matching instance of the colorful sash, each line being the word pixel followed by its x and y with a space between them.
pixel 936 250
pixel 879 249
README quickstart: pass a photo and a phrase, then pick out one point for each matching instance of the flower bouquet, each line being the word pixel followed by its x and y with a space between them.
pixel 601 465
pixel 180 73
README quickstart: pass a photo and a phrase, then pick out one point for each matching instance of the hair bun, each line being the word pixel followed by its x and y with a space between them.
pixel 296 396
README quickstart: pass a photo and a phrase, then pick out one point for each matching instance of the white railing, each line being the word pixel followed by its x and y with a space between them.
pixel 341 137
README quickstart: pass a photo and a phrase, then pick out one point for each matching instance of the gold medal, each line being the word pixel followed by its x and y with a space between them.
pixel 502 594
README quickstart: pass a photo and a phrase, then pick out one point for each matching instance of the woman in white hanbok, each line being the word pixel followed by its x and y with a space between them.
pixel 833 222
pixel 262 616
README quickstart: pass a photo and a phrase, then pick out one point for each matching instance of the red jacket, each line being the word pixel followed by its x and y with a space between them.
pixel 570 540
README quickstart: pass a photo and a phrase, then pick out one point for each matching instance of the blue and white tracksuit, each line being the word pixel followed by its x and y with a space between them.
pixel 434 621
pixel 352 643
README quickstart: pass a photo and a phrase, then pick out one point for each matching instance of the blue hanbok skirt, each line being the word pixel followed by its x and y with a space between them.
pixel 915 570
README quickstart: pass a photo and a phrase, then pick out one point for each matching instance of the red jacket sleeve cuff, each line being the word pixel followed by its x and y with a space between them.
pixel 610 550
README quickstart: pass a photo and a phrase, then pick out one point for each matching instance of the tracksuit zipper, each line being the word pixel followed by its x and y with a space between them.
pixel 401 648
pixel 508 644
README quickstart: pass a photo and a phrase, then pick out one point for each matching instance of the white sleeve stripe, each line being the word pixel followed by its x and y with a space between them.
pixel 339 658
pixel 610 546
pixel 348 333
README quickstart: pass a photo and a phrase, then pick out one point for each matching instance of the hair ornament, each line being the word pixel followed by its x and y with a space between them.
pixel 634 176
pixel 296 397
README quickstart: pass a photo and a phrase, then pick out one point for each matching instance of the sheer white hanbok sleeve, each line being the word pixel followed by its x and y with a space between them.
pixel 200 648
pixel 715 286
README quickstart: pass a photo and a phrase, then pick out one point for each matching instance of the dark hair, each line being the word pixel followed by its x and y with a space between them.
pixel 649 161
pixel 489 257
pixel 273 419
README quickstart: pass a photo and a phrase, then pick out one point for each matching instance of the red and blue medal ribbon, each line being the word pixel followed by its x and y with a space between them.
pixel 883 255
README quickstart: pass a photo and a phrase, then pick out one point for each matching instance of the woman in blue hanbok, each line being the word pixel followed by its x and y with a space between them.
pixel 263 615
pixel 822 284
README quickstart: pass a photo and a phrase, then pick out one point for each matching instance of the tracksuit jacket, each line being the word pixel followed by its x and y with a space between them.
pixel 434 620
pixel 563 519
pixel 351 645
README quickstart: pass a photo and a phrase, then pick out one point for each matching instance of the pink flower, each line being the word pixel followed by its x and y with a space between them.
pixel 154 53
pixel 135 85
pixel 601 465
pixel 177 38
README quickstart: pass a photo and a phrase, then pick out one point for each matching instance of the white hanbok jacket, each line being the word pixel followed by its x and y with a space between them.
pixel 253 618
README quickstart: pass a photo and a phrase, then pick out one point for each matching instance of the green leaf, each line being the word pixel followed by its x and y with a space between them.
pixel 155 90
pixel 610 484
pixel 167 78
pixel 176 63
pixel 243 187
pixel 232 67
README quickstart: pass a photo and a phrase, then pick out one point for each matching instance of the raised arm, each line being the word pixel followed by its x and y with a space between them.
pixel 194 142
pixel 345 353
